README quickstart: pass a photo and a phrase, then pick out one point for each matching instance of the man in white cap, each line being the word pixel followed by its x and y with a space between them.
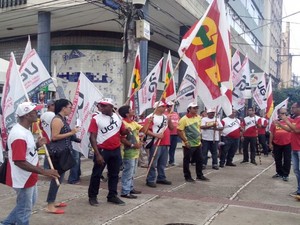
pixel 105 130
pixel 189 131
pixel 23 168
pixel 211 126
pixel 159 130
pixel 173 133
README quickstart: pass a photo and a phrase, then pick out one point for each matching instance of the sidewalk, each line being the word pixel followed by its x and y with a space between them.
pixel 245 194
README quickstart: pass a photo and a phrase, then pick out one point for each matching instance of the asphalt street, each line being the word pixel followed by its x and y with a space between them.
pixel 246 194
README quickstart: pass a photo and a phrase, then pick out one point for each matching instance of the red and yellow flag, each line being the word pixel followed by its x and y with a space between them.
pixel 135 82
pixel 206 49
pixel 169 93
pixel 270 102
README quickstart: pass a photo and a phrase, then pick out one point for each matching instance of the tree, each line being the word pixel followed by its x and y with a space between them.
pixel 281 94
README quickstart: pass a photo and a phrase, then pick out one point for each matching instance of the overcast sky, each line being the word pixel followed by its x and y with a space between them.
pixel 290 7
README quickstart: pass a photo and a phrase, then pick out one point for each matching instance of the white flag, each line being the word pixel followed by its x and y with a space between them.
pixel 85 98
pixel 27 50
pixel 274 116
pixel 187 91
pixel 34 74
pixel 147 92
pixel 13 94
pixel 245 76
pixel 259 93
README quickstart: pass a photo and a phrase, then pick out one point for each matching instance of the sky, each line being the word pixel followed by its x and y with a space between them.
pixel 289 7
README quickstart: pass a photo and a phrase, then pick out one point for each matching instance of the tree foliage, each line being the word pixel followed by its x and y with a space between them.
pixel 281 94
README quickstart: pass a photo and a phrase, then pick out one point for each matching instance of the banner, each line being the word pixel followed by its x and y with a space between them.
pixel 169 93
pixel 187 91
pixel 259 93
pixel 147 92
pixel 34 74
pixel 245 78
pixel 238 100
pixel 206 48
pixel 13 94
pixel 86 96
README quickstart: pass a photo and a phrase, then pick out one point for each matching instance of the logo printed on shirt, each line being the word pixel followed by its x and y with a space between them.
pixel 113 124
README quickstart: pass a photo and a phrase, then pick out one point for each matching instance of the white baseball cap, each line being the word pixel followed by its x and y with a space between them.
pixel 26 107
pixel 192 104
pixel 170 103
pixel 212 110
pixel 159 104
pixel 107 101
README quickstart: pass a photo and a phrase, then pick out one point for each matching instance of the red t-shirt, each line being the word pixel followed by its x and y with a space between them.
pixel 249 125
pixel 295 138
pixel 280 136
pixel 264 123
pixel 160 121
pixel 175 119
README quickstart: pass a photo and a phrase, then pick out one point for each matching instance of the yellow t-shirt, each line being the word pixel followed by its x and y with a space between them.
pixel 191 127
pixel 133 138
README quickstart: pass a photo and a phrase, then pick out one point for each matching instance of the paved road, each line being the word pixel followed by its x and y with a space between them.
pixel 245 194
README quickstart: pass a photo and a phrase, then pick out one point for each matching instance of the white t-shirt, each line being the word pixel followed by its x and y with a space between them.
pixel 46 119
pixel 208 134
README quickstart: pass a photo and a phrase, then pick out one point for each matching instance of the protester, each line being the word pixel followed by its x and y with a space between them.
pixel 261 128
pixel 105 130
pixel 211 126
pixel 230 137
pixel 22 168
pixel 61 138
pixel 189 132
pixel 294 127
pixel 143 157
pixel 45 125
pixel 131 145
pixel 159 125
pixel 173 133
pixel 249 136
pixel 280 144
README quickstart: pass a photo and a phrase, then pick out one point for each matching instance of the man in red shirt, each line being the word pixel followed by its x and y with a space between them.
pixel 249 125
pixel 159 129
pixel 22 168
pixel 280 144
pixel 262 125
pixel 294 127
pixel 105 130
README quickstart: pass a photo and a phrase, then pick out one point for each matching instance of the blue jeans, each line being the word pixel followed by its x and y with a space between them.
pixel 26 198
pixel 75 171
pixel 130 166
pixel 113 161
pixel 296 166
pixel 228 150
pixel 213 147
pixel 159 162
pixel 172 148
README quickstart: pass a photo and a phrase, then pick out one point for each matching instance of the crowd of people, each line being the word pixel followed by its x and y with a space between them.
pixel 121 141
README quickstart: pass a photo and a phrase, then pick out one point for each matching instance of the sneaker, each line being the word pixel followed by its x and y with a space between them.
pixel 222 165
pixel 191 180
pixel 129 196
pixel 215 167
pixel 276 176
pixel 244 161
pixel 151 184
pixel 254 163
pixel 93 202
pixel 203 178
pixel 193 164
pixel 165 182
pixel 230 164
pixel 115 200
pixel 285 178
pixel 135 192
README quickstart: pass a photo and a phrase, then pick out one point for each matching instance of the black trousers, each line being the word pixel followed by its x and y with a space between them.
pixel 263 142
pixel 252 142
pixel 113 161
pixel 282 156
pixel 195 153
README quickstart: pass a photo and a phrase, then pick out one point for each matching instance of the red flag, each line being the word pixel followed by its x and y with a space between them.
pixel 135 82
pixel 206 48
pixel 170 90
pixel 270 102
